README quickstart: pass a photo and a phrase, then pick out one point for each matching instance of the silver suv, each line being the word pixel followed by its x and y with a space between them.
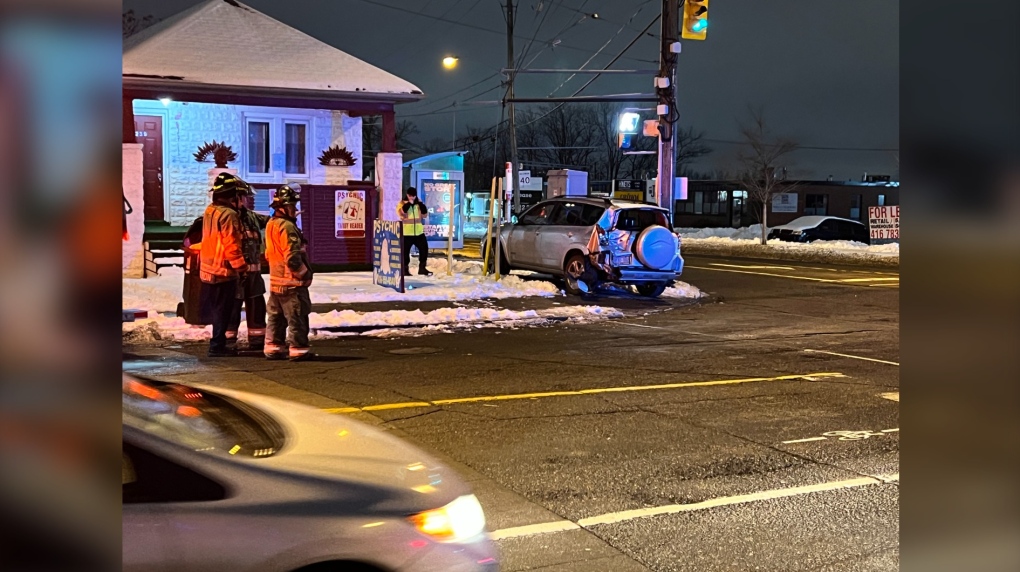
pixel 591 240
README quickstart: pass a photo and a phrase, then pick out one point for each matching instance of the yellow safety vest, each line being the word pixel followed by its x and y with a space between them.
pixel 415 227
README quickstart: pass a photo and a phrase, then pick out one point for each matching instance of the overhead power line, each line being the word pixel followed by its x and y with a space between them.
pixel 473 26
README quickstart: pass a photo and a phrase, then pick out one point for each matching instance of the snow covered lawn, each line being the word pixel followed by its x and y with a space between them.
pixel 745 242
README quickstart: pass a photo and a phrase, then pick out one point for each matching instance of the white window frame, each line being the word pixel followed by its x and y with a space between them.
pixel 307 122
pixel 278 143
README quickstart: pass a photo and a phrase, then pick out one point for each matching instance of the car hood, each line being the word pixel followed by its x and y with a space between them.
pixel 334 446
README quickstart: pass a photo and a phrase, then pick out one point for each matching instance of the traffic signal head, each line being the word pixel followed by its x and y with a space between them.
pixel 629 122
pixel 695 25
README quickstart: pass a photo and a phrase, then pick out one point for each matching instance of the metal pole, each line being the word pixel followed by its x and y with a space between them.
pixel 667 96
pixel 449 236
pixel 512 185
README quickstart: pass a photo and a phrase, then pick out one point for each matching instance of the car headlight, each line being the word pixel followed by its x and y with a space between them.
pixel 458 521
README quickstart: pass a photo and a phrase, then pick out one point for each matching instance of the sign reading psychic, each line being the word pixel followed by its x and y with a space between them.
pixel 350 214
pixel 884 223
pixel 387 258
pixel 438 196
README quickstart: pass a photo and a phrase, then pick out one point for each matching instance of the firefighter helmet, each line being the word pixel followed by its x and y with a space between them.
pixel 285 196
pixel 227 185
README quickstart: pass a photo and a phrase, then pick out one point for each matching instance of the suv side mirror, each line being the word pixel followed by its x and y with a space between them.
pixel 513 219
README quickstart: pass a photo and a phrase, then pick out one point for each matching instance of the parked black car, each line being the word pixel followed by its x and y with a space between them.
pixel 812 228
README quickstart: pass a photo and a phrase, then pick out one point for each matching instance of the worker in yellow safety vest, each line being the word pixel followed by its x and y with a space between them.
pixel 413 213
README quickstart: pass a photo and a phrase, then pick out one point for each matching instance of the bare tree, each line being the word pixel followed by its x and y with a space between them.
pixel 131 24
pixel 759 161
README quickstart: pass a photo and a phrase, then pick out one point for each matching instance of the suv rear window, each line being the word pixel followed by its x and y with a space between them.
pixel 640 219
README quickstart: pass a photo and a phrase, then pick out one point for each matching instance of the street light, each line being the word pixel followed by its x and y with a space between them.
pixel 450 62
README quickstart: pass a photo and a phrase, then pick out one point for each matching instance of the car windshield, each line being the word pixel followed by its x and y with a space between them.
pixel 199 419
pixel 640 219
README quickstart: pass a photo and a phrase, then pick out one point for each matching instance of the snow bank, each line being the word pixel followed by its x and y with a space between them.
pixel 745 242
pixel 162 293
pixel 160 327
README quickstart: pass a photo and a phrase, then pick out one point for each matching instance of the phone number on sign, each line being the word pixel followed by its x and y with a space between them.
pixel 885 233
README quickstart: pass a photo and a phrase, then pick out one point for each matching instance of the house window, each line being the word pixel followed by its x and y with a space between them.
pixel 816 204
pixel 258 146
pixel 855 206
pixel 296 145
pixel 698 201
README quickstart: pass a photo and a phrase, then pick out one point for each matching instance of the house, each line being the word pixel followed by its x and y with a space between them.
pixel 727 204
pixel 222 71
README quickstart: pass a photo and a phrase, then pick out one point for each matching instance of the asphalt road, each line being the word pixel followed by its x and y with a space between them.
pixel 757 431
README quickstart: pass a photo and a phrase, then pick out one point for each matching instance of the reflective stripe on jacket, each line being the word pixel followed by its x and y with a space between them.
pixel 285 251
pixel 416 226
pixel 221 244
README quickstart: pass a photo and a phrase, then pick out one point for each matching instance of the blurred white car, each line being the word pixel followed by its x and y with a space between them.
pixel 224 480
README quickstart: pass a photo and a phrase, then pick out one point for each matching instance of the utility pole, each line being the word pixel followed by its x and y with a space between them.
pixel 515 168
pixel 667 96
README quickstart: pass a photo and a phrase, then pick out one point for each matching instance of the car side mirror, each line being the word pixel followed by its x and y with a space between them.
pixel 513 219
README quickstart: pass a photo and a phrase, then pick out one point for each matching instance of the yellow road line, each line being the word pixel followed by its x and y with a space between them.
pixel 852 356
pixel 745 267
pixel 849 281
pixel 590 391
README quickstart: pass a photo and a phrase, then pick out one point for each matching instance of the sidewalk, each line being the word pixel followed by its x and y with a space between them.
pixel 744 243
pixel 345 304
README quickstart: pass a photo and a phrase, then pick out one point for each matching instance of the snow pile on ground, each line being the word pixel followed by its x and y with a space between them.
pixel 745 242
pixel 158 294
pixel 159 327
pixel 747 232
pixel 162 293
pixel 683 290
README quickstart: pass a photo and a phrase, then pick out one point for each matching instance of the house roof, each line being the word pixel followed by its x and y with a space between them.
pixel 226 43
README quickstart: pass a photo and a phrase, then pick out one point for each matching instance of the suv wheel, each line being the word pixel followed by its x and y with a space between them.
pixel 504 264
pixel 577 269
pixel 652 290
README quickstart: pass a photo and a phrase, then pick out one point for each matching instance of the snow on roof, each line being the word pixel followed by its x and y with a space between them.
pixel 224 42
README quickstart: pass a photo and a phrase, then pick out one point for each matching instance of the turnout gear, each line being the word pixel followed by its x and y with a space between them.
pixel 221 244
pixel 251 287
pixel 285 251
pixel 289 278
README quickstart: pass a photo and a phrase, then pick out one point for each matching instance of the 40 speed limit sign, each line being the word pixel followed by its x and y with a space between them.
pixel 884 222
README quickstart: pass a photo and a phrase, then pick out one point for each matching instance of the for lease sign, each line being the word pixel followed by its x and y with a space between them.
pixel 884 222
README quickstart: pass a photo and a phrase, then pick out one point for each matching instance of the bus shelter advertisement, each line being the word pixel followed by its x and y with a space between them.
pixel 884 223
pixel 439 196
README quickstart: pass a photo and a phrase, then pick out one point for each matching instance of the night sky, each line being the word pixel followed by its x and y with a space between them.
pixel 826 72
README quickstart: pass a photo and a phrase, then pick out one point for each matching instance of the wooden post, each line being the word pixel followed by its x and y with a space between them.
pixel 389 132
pixel 128 123
pixel 486 250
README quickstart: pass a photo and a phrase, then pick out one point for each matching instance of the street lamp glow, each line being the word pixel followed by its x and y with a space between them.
pixel 450 62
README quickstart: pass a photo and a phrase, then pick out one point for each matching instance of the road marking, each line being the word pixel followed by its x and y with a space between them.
pixel 847 281
pixel 853 356
pixel 805 440
pixel 590 391
pixel 623 516
pixel 896 285
pixel 642 326
pixel 541 528
pixel 672 330
pixel 896 430
pixel 764 274
pixel 752 267
pixel 892 396
pixel 874 279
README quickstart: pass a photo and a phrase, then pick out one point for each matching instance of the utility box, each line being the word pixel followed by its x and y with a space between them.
pixel 567 183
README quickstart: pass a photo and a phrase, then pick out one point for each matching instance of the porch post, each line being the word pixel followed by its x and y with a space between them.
pixel 128 123
pixel 389 132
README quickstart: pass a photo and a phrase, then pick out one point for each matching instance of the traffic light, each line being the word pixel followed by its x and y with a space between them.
pixel 695 25
pixel 628 127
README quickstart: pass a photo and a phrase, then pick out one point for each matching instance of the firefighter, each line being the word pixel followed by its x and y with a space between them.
pixel 222 261
pixel 289 278
pixel 251 287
